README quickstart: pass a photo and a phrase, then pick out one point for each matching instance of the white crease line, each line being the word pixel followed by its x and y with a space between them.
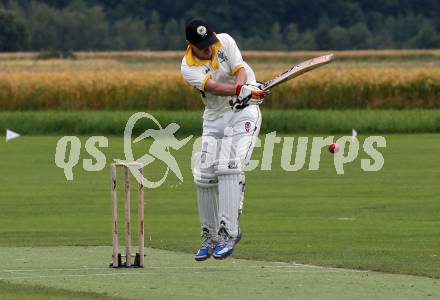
pixel 141 273
pixel 309 271
pixel 74 275
pixel 60 269
pixel 109 268
pixel 322 268
pixel 236 267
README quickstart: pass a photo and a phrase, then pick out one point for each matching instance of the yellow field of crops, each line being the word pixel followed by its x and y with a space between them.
pixel 93 90
pixel 152 80
pixel 328 87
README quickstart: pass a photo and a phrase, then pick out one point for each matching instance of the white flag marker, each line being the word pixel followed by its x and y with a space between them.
pixel 353 135
pixel 10 135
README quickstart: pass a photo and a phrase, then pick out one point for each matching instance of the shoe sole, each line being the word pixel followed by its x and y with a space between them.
pixel 201 258
pixel 220 257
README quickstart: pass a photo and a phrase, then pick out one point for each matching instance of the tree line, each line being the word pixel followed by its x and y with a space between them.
pixel 73 25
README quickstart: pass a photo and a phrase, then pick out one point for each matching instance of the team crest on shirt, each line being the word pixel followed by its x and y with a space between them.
pixel 232 165
pixel 221 56
pixel 247 126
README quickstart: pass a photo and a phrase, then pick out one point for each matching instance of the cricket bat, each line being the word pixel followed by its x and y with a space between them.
pixel 298 70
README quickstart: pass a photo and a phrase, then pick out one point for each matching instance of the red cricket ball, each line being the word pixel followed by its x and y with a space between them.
pixel 333 148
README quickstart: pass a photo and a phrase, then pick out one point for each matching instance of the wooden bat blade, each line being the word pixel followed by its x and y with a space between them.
pixel 298 70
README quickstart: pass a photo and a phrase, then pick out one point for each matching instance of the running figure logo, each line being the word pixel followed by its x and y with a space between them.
pixel 164 139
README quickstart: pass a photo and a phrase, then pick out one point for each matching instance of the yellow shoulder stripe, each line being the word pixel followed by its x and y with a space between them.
pixel 207 77
pixel 235 70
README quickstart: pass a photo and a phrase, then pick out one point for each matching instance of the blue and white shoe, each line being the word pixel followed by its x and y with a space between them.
pixel 207 247
pixel 226 247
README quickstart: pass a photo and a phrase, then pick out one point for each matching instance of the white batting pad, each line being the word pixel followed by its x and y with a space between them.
pixel 207 191
pixel 230 195
pixel 242 189
pixel 207 200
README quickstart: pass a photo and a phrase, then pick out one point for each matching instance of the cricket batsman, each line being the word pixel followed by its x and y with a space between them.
pixel 231 122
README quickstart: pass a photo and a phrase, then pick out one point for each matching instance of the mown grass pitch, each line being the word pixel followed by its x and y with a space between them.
pixel 385 221
pixel 174 275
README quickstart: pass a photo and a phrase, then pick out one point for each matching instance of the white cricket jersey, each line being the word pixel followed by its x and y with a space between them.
pixel 226 61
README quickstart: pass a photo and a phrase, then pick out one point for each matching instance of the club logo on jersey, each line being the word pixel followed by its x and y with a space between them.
pixel 221 56
pixel 232 165
pixel 201 30
pixel 247 126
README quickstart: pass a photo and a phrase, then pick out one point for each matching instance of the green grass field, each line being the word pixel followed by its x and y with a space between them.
pixel 190 122
pixel 384 221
